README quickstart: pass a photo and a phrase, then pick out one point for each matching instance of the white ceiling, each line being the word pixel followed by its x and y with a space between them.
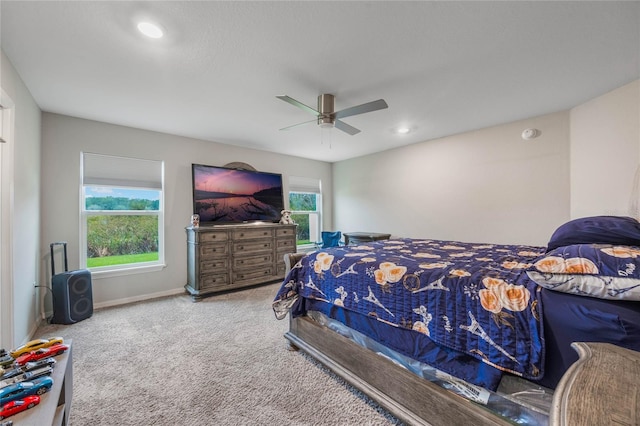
pixel 443 67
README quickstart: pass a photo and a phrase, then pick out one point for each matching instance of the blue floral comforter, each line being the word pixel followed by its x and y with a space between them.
pixel 473 298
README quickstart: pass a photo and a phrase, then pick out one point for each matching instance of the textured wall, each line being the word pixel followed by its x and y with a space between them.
pixel 21 185
pixel 605 152
pixel 65 137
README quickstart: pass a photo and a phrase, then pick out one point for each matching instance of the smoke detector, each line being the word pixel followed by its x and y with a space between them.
pixel 528 134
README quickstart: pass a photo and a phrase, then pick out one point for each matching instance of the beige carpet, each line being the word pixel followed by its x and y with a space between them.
pixel 220 361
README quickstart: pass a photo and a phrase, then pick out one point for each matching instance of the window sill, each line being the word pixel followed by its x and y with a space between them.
pixel 126 271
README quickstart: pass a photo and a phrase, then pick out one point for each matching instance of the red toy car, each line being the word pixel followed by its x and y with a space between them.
pixel 19 405
pixel 35 344
pixel 41 353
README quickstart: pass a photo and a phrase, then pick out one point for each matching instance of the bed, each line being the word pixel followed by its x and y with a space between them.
pixel 442 332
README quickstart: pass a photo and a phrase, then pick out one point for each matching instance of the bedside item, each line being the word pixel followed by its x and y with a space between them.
pixel 363 237
pixel 195 220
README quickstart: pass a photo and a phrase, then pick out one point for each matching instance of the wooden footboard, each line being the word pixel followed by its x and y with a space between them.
pixel 601 388
pixel 413 400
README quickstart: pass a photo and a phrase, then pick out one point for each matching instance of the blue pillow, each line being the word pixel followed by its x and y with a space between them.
pixel 616 230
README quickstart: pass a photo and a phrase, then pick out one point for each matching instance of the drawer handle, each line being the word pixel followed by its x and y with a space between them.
pixel 241 247
pixel 242 234
pixel 265 233
pixel 265 245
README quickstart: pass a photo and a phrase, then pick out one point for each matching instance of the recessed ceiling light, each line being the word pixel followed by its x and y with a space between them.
pixel 403 130
pixel 150 30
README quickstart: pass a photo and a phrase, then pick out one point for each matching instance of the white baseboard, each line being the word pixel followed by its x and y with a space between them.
pixel 32 332
pixel 139 298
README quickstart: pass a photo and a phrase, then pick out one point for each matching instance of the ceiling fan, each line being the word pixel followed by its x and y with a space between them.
pixel 327 117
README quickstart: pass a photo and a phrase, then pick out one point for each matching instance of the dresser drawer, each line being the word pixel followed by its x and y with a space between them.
pixel 252 261
pixel 252 274
pixel 252 246
pixel 248 234
pixel 286 245
pixel 213 250
pixel 214 265
pixel 210 237
pixel 284 232
pixel 213 280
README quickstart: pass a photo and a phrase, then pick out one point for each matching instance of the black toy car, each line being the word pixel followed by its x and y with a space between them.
pixel 6 361
pixel 28 376
pixel 29 366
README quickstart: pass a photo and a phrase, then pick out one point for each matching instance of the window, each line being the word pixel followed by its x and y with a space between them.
pixel 305 203
pixel 122 213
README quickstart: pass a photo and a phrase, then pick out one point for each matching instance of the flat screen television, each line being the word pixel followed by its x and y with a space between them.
pixel 225 195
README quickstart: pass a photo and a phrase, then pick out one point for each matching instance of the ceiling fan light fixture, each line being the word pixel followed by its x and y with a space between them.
pixel 325 122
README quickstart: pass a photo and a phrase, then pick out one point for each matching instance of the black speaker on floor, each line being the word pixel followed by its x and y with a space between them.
pixel 72 293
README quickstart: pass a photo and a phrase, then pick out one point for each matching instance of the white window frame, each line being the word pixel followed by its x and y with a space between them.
pixel 127 179
pixel 304 185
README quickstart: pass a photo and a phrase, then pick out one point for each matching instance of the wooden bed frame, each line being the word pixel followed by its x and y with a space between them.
pixel 601 388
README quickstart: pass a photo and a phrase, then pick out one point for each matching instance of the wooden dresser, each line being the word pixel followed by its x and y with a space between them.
pixel 227 257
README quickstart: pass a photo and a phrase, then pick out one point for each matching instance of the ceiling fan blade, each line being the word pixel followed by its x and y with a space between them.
pixel 341 125
pixel 298 104
pixel 361 109
pixel 299 124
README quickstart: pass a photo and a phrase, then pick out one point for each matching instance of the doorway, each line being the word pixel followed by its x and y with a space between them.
pixel 7 114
